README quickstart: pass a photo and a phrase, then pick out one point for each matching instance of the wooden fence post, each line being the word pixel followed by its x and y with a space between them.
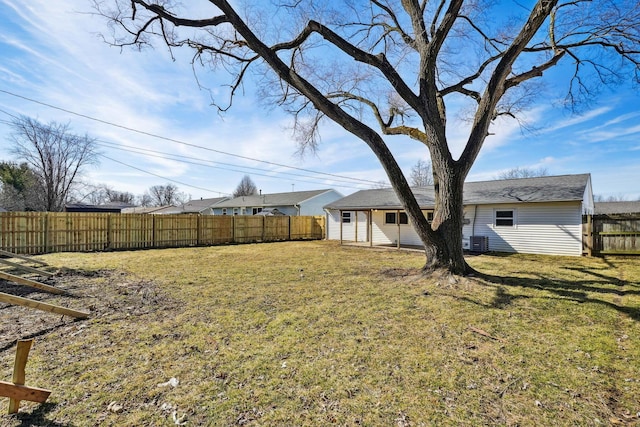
pixel 45 227
pixel 16 390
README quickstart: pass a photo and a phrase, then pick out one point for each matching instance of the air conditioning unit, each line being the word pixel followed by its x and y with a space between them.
pixel 479 243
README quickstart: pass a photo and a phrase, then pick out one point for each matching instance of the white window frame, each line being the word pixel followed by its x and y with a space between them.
pixel 346 217
pixel 496 219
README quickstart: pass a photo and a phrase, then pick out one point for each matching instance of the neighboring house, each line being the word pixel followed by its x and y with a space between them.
pixel 147 209
pixel 198 206
pixel 617 208
pixel 295 203
pixel 106 208
pixel 531 215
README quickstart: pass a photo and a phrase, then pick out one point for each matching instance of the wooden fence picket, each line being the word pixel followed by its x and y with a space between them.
pixel 45 232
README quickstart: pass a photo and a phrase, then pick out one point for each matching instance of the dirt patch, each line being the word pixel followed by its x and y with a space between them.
pixel 100 293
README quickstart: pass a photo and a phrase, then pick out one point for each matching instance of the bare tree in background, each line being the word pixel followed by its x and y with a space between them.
pixel 396 66
pixel 246 187
pixel 102 194
pixel 611 198
pixel 55 155
pixel 165 195
pixel 421 174
pixel 516 173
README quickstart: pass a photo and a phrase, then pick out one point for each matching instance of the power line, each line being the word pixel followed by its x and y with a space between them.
pixel 182 142
pixel 160 176
pixel 133 167
pixel 178 158
pixel 202 162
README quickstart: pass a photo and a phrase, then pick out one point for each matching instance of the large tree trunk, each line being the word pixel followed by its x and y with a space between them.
pixel 442 238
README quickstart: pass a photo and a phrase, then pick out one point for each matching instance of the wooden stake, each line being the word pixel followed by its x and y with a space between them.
pixel 22 392
pixel 12 299
pixel 26 268
pixel 32 283
pixel 26 258
pixel 22 354
pixel 17 391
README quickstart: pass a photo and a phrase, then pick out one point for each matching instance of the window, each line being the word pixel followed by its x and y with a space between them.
pixel 505 218
pixel 256 210
pixel 390 218
pixel 235 211
pixel 430 216
pixel 346 217
pixel 224 211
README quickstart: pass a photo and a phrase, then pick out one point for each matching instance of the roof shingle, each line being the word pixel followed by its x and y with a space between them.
pixel 539 189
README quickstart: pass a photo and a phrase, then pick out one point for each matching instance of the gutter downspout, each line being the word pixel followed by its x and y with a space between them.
pixel 341 220
pixel 370 228
pixel 398 222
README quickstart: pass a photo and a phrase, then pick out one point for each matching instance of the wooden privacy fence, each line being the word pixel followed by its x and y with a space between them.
pixel 45 232
pixel 611 234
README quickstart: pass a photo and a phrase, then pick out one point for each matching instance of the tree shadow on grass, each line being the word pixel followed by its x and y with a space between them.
pixel 38 417
pixel 580 291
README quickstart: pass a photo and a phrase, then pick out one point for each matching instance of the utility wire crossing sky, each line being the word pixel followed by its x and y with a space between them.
pixel 155 125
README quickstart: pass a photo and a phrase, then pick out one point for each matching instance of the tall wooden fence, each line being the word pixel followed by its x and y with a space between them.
pixel 611 235
pixel 45 232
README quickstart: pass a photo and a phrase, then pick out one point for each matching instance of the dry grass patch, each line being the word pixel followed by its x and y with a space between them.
pixel 311 333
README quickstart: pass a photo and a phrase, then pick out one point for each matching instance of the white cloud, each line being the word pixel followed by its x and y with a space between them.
pixel 590 115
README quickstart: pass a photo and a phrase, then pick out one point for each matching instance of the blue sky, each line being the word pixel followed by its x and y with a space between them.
pixel 52 56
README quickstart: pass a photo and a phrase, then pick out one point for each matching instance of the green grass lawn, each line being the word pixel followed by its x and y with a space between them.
pixel 312 333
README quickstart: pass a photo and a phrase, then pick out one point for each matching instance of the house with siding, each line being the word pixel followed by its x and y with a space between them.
pixel 295 203
pixel 617 208
pixel 540 215
pixel 196 206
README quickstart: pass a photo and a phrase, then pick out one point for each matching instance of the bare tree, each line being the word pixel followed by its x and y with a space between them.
pixel 55 155
pixel 145 200
pixel 102 194
pixel 611 198
pixel 395 66
pixel 421 174
pixel 516 173
pixel 164 195
pixel 246 187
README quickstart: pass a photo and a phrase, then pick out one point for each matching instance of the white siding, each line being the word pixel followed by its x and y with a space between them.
pixel 540 228
pixel 386 234
pixel 348 229
pixel 467 229
pixel 587 200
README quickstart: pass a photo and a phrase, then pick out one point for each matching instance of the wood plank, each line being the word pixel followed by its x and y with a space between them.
pixel 22 354
pixel 26 302
pixel 26 268
pixel 23 257
pixel 32 283
pixel 22 392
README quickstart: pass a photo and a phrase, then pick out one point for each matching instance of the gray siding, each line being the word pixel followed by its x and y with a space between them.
pixel 314 205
